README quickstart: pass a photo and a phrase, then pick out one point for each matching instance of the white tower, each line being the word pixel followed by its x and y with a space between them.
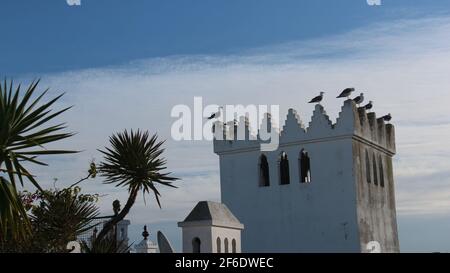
pixel 329 187
pixel 211 228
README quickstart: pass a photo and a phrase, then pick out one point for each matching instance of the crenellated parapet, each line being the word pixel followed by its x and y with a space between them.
pixel 352 122
pixel 375 130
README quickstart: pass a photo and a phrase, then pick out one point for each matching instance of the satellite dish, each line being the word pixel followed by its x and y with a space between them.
pixel 163 243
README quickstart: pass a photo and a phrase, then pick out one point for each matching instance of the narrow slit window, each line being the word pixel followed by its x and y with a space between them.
pixel 284 169
pixel 226 245
pixel 380 164
pixel 368 176
pixel 305 167
pixel 264 180
pixel 219 245
pixel 375 175
pixel 233 246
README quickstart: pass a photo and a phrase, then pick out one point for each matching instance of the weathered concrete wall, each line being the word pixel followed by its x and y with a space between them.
pixel 376 202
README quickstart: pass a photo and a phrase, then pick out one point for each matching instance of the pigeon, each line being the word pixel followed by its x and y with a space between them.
pixel 387 118
pixel 346 93
pixel 359 99
pixel 317 99
pixel 216 114
pixel 368 106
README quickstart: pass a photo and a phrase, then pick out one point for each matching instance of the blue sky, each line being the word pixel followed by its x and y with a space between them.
pixel 51 36
pixel 125 64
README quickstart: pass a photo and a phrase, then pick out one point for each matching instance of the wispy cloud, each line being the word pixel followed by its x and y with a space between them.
pixel 402 66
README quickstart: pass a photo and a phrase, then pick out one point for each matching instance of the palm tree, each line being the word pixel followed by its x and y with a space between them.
pixel 61 216
pixel 23 132
pixel 134 161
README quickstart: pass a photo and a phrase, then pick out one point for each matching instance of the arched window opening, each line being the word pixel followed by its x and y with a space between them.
pixel 226 245
pixel 375 175
pixel 380 164
pixel 368 176
pixel 233 246
pixel 196 245
pixel 284 169
pixel 219 245
pixel 305 167
pixel 264 180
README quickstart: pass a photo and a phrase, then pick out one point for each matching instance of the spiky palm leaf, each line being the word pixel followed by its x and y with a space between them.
pixel 134 161
pixel 11 214
pixel 23 132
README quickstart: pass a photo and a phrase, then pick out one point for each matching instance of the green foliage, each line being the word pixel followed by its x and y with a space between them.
pixel 11 213
pixel 57 217
pixel 46 220
pixel 24 131
pixel 61 215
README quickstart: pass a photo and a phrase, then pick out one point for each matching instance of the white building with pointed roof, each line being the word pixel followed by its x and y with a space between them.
pixel 211 228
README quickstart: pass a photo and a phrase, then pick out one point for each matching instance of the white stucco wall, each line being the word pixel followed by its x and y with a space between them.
pixel 204 233
pixel 229 234
pixel 208 238
pixel 317 216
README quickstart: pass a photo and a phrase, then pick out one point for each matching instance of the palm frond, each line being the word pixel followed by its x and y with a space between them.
pixel 24 131
pixel 134 161
pixel 13 219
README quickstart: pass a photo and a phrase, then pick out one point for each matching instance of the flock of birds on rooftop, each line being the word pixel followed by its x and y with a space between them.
pixel 358 100
pixel 344 94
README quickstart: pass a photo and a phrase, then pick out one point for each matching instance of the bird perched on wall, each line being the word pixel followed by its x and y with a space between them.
pixel 317 99
pixel 368 106
pixel 359 99
pixel 216 114
pixel 346 93
pixel 387 118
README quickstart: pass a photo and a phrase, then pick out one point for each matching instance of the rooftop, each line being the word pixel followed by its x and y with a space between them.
pixel 211 213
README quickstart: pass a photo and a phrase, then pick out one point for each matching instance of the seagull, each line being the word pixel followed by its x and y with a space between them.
pixel 317 99
pixel 359 99
pixel 368 106
pixel 387 118
pixel 346 93
pixel 216 114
